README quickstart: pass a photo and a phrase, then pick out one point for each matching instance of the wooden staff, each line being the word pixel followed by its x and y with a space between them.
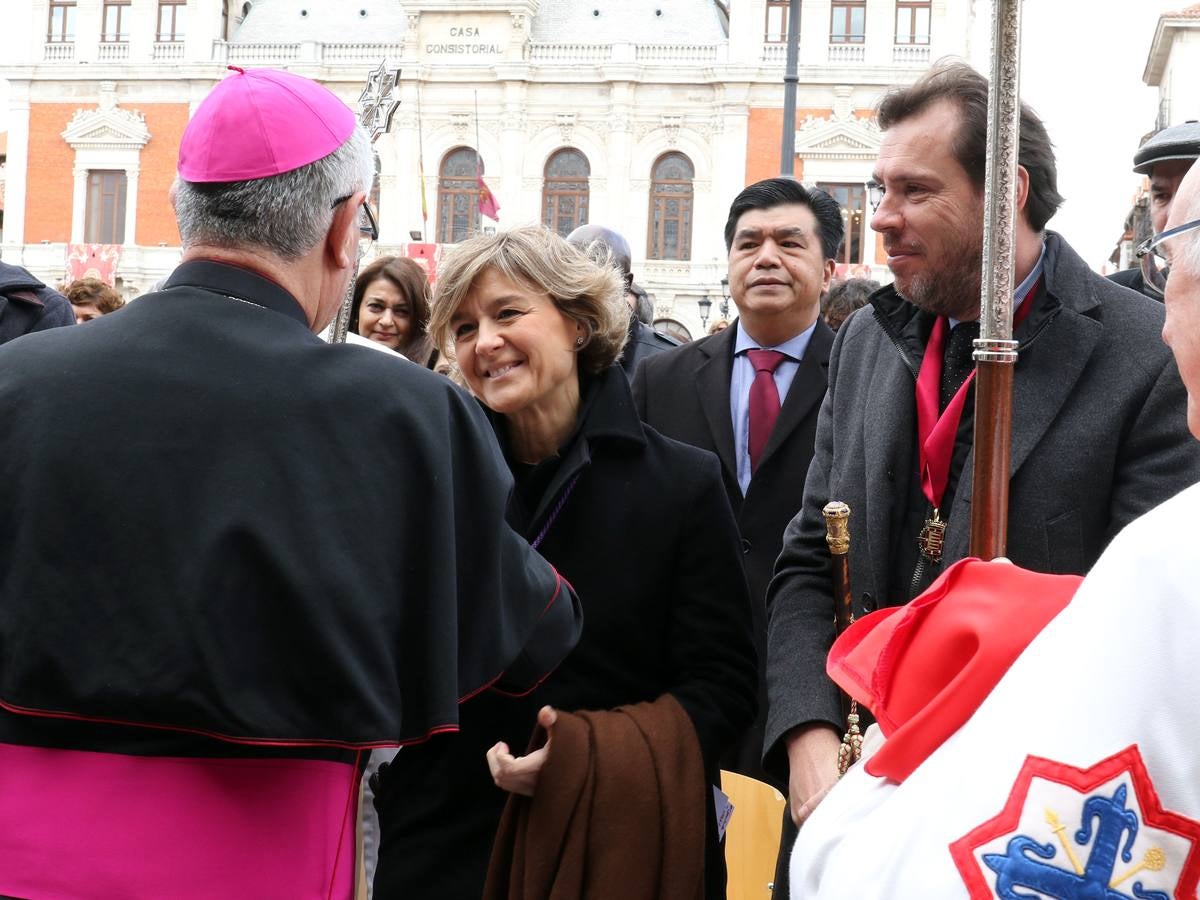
pixel 995 351
pixel 837 535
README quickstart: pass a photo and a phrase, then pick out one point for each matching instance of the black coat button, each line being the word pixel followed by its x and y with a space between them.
pixel 746 545
pixel 868 602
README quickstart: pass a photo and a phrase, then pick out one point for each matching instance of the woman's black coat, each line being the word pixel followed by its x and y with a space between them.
pixel 641 527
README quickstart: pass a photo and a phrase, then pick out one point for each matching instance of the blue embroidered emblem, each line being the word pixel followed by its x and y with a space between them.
pixel 1095 880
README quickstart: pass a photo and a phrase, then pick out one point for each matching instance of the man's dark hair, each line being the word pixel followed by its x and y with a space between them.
pixel 772 192
pixel 962 85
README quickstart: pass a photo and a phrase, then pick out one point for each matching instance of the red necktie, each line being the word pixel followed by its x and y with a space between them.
pixel 764 400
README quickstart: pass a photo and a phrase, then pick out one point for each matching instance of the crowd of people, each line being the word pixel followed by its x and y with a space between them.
pixel 330 621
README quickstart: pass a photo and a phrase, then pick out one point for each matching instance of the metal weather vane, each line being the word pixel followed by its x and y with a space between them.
pixel 377 104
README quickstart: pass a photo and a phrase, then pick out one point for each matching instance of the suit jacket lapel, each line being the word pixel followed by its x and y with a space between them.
pixel 1042 382
pixel 890 418
pixel 712 386
pixel 807 390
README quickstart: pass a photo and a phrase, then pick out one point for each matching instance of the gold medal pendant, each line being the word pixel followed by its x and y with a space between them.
pixel 932 538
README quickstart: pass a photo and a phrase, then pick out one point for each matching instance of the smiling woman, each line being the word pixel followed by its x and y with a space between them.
pixel 391 307
pixel 637 523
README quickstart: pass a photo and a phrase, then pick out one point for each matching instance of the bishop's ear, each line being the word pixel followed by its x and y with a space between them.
pixel 341 241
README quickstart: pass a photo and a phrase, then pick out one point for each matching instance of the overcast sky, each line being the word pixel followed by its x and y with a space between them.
pixel 1081 69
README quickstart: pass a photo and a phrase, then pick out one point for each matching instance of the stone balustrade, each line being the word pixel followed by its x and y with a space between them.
pixel 567 53
pixel 677 53
pixel 846 53
pixel 59 52
pixel 113 51
pixel 910 54
pixel 168 51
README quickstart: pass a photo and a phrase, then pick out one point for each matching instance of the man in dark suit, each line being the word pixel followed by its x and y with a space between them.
pixel 1165 158
pixel 1097 407
pixel 782 240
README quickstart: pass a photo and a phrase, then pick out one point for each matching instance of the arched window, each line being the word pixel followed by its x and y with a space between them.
pixel 669 235
pixel 458 196
pixel 565 191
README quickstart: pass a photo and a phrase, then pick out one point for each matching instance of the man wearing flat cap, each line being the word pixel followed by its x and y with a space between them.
pixel 1164 158
pixel 202 636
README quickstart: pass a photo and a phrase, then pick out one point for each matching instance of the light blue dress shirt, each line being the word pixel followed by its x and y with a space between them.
pixel 739 389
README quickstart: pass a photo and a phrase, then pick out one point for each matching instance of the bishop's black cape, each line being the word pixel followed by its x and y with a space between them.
pixel 214 523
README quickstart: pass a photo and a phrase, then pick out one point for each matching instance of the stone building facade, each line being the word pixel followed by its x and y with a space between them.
pixel 644 115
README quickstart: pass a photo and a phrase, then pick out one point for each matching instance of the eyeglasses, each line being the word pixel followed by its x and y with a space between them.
pixel 368 227
pixel 1155 265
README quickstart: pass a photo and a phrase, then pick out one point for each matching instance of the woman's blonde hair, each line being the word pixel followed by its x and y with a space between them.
pixel 583 287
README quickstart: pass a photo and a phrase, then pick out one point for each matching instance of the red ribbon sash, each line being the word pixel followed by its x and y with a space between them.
pixel 935 434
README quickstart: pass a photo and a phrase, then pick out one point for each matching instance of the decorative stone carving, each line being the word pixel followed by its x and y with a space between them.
pixel 107 128
pixel 518 21
pixel 461 123
pixel 640 185
pixel 531 184
pixel 847 138
pixel 842 109
pixel 671 125
pixel 566 126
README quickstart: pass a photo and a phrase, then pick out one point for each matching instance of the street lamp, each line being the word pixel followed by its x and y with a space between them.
pixel 704 305
pixel 725 297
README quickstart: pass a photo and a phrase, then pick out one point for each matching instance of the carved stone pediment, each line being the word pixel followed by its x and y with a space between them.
pixel 110 129
pixel 846 138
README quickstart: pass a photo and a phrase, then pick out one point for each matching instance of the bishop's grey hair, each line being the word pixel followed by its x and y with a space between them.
pixel 287 214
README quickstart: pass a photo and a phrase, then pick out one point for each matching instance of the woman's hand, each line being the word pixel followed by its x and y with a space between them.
pixel 519 774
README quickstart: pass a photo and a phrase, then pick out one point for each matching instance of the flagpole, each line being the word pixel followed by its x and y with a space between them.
pixel 478 158
pixel 995 350
pixel 421 166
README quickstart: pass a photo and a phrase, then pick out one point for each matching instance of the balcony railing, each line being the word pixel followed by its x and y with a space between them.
pixel 567 53
pixel 59 52
pixel 168 50
pixel 358 53
pixel 113 51
pixel 677 53
pixel 910 54
pixel 847 53
pixel 332 54
pixel 260 52
pixel 774 53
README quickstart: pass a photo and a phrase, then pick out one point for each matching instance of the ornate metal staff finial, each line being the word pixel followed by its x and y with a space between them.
pixel 377 105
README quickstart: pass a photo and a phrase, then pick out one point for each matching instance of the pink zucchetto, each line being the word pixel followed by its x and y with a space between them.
pixel 261 122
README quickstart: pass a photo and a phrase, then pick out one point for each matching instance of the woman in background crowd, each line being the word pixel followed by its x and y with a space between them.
pixel 391 308
pixel 638 523
pixel 91 298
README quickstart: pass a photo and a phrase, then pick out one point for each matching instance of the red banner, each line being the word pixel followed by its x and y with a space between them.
pixel 93 261
pixel 424 255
